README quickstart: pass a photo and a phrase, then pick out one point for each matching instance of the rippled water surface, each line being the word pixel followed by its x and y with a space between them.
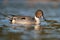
pixel 47 30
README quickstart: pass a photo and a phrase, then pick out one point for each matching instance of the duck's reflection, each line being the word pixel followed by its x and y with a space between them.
pixel 24 32
pixel 37 27
pixel 27 27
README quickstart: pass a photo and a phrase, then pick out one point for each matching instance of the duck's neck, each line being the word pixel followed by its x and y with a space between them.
pixel 37 20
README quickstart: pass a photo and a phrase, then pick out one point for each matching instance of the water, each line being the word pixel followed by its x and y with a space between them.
pixel 47 30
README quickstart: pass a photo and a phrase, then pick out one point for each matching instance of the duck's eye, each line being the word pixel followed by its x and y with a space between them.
pixel 22 18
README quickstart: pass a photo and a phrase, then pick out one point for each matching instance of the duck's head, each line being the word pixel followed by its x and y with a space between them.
pixel 38 15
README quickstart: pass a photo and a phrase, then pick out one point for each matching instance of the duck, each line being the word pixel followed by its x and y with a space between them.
pixel 28 19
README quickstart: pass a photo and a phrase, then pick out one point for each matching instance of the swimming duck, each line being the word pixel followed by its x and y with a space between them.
pixel 27 19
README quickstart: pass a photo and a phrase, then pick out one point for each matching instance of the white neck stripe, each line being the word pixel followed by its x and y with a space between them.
pixel 37 20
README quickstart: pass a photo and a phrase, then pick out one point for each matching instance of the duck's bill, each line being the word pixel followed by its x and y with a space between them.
pixel 44 18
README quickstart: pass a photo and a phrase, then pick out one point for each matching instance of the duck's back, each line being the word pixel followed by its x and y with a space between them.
pixel 23 20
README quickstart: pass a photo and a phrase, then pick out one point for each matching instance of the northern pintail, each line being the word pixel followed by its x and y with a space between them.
pixel 27 19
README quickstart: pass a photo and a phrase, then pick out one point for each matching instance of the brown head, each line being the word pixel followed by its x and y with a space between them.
pixel 39 14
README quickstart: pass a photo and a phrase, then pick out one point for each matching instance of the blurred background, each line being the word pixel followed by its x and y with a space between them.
pixel 50 29
pixel 51 8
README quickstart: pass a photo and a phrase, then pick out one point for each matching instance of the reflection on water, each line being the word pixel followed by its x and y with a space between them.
pixel 29 32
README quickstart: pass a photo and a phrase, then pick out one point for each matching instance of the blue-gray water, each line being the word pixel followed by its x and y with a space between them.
pixel 47 30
